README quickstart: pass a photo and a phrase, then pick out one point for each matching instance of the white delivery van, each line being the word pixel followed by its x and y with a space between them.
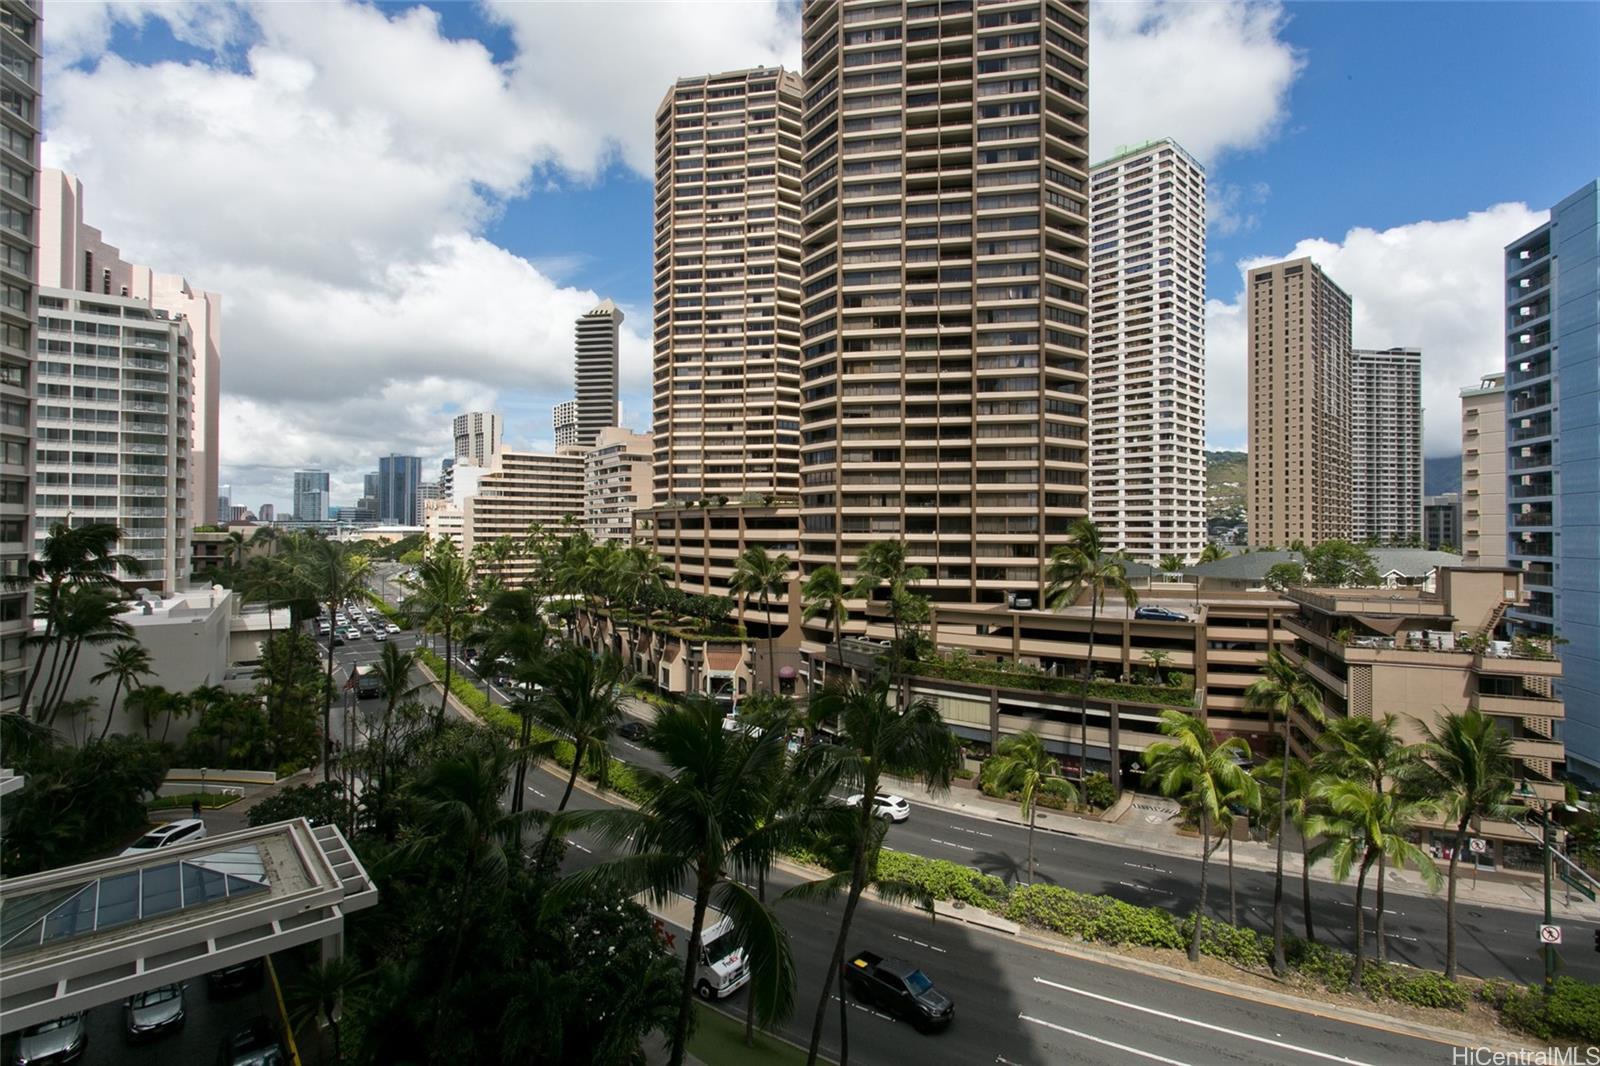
pixel 723 969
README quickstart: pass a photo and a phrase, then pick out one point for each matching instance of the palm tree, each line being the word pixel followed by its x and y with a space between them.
pixel 1212 552
pixel 1298 785
pixel 85 614
pixel 698 833
pixel 1171 564
pixel 127 663
pixel 878 740
pixel 512 627
pixel 581 702
pixel 1282 690
pixel 319 991
pixel 70 555
pixel 265 537
pixel 763 576
pixel 823 596
pixel 335 574
pixel 236 546
pixel 1204 777
pixel 1158 660
pixel 1024 766
pixel 440 602
pixel 885 563
pixel 1370 750
pixel 1080 566
pixel 393 671
pixel 1361 825
pixel 1469 762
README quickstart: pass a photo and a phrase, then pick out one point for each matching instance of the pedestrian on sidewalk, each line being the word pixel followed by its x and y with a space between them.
pixel 194 807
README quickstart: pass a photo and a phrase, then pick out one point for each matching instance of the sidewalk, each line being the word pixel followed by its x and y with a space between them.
pixel 1161 836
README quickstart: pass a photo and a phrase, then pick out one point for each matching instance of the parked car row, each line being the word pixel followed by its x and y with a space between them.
pixel 355 622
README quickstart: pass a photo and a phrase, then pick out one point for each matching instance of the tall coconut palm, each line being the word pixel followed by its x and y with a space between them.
pixel 335 574
pixel 877 739
pixel 1370 750
pixel 236 548
pixel 1083 566
pixel 885 564
pixel 1297 784
pixel 1212 552
pixel 511 627
pixel 582 702
pixel 1204 776
pixel 70 555
pixel 318 992
pixel 1283 690
pixel 440 601
pixel 127 663
pixel 266 537
pixel 85 614
pixel 823 596
pixel 1361 824
pixel 1022 765
pixel 763 576
pixel 1468 757
pixel 1171 564
pixel 700 831
pixel 393 671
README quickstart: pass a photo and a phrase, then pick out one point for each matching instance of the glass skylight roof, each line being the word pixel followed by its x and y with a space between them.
pixel 119 899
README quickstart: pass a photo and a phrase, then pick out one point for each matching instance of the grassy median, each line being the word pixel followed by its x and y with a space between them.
pixel 718 1040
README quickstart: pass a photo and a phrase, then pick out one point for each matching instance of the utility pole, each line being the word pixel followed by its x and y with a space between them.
pixel 1549 865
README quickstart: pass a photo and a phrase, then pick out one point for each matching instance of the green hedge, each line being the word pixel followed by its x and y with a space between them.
pixel 942 880
pixel 1571 1011
pixel 391 613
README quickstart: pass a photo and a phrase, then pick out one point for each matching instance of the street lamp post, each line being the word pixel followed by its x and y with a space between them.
pixel 1549 867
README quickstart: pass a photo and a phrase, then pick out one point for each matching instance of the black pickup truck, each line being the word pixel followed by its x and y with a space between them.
pixel 899 988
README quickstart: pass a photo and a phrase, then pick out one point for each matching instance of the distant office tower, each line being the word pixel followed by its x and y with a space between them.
pixel 594 365
pixel 1299 404
pixel 1386 444
pixel 944 365
pixel 20 121
pixel 1147 373
pixel 369 484
pixel 75 256
pixel 267 512
pixel 224 500
pixel 516 490
pixel 727 286
pixel 477 435
pixel 616 482
pixel 398 479
pixel 564 420
pixel 1441 522
pixel 1553 442
pixel 311 496
pixel 1483 472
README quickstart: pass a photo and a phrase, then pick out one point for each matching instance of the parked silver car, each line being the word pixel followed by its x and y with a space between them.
pixel 152 1013
pixel 56 1041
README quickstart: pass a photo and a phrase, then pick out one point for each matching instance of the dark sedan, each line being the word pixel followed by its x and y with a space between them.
pixel 632 730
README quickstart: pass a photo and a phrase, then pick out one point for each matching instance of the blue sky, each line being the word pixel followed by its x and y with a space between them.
pixel 450 235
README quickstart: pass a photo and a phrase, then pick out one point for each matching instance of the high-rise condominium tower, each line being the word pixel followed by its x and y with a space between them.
pixel 595 370
pixel 477 435
pixel 21 31
pixel 1552 407
pixel 311 495
pixel 1147 376
pixel 399 502
pixel 564 421
pixel 727 286
pixel 1386 444
pixel 1299 403
pixel 1483 472
pixel 943 367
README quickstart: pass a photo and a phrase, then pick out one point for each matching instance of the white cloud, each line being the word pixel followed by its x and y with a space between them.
pixel 1436 285
pixel 1215 76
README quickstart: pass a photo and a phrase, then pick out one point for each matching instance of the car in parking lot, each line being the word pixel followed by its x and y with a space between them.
pixel 884 805
pixel 58 1040
pixel 256 1043
pixel 153 1012
pixel 380 634
pixel 181 831
pixel 1153 613
pixel 392 628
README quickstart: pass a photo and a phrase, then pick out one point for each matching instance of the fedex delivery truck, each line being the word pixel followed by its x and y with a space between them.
pixel 723 969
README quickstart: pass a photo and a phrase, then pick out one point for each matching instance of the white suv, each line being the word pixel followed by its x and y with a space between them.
pixel 182 831
pixel 884 805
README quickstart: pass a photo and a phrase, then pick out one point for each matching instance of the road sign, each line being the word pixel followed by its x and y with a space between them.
pixel 1574 881
pixel 1549 934
pixel 1479 846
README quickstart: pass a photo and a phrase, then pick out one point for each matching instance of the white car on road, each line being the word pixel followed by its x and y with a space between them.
pixel 884 805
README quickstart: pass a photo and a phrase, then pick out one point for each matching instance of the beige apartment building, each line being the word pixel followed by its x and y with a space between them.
pixel 726 335
pixel 597 337
pixel 1299 405
pixel 477 436
pixel 1483 472
pixel 617 475
pixel 1147 378
pixel 1386 444
pixel 516 490
pixel 944 372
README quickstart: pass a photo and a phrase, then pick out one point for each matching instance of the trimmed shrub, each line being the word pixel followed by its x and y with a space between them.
pixel 1099 918
pixel 1097 791
pixel 1236 944
pixel 943 880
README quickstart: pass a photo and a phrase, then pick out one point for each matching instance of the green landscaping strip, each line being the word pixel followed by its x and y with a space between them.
pixel 718 1040
pixel 208 801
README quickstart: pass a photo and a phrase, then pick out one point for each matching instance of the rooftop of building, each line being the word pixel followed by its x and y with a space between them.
pixel 1124 151
pixel 1403 562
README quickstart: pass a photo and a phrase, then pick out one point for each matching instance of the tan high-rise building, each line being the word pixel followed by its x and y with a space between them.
pixel 944 371
pixel 477 436
pixel 515 491
pixel 1299 405
pixel 727 287
pixel 1147 389
pixel 1386 444
pixel 594 368
pixel 617 475
pixel 1483 472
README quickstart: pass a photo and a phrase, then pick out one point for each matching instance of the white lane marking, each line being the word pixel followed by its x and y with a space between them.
pixel 631 747
pixel 1202 1025
pixel 1386 910
pixel 951 844
pixel 864 1009
pixel 579 846
pixel 919 943
pixel 536 792
pixel 1147 869
pixel 1080 1034
pixel 974 832
pixel 1399 936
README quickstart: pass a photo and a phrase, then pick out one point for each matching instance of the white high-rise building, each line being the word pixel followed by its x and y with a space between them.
pixel 727 286
pixel 113 411
pixel 594 366
pixel 517 490
pixel 477 436
pixel 311 496
pixel 564 421
pixel 1386 444
pixel 1147 376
